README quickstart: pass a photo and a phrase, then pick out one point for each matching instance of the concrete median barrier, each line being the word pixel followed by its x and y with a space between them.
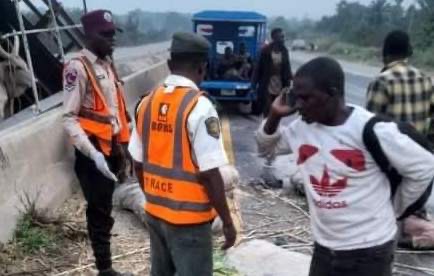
pixel 36 160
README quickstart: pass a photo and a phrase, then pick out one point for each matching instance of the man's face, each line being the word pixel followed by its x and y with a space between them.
pixel 313 105
pixel 279 38
pixel 103 42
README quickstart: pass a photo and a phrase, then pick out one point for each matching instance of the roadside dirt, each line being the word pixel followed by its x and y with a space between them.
pixel 273 215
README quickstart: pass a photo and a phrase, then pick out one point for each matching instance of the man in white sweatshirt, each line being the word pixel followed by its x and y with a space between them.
pixel 352 214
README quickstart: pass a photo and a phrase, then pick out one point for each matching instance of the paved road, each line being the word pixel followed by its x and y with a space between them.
pixel 242 127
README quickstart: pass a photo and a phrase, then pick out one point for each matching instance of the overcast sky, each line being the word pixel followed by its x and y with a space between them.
pixel 289 8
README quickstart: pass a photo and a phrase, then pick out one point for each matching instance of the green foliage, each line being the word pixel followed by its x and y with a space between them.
pixel 367 25
pixel 220 268
pixel 142 27
pixel 294 28
pixel 31 238
pixel 423 58
pixel 353 52
pixel 357 31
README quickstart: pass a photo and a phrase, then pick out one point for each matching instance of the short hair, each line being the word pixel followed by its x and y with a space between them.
pixel 190 60
pixel 275 31
pixel 397 44
pixel 326 74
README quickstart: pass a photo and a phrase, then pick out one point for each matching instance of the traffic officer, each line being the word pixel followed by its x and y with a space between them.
pixel 96 120
pixel 178 149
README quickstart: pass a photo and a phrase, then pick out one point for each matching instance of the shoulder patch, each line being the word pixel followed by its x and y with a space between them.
pixel 70 78
pixel 213 127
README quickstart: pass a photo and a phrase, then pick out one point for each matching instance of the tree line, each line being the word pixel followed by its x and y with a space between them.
pixel 141 27
pixel 357 30
pixel 367 25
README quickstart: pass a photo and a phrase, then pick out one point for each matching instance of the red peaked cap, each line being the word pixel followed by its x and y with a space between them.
pixel 98 21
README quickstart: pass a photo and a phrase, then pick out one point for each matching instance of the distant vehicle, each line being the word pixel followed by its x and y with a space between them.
pixel 232 32
pixel 299 45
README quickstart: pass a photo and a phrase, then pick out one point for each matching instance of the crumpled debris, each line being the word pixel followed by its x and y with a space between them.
pixel 417 233
pixel 129 196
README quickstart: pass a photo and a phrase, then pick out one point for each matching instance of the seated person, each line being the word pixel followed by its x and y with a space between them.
pixel 226 63
pixel 246 62
pixel 234 73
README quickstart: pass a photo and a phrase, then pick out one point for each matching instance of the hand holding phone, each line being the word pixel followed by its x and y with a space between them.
pixel 284 105
pixel 288 96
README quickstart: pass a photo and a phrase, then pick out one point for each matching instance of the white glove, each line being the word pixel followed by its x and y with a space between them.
pixel 102 165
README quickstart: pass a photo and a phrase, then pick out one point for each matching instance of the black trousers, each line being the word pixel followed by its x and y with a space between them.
pixel 373 261
pixel 98 192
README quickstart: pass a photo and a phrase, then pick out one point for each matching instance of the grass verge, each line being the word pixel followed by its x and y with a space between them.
pixel 370 55
pixel 30 236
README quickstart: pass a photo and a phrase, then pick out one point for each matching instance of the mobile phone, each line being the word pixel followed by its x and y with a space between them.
pixel 288 97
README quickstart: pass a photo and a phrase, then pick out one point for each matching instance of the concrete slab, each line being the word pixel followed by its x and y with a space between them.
pixel 262 258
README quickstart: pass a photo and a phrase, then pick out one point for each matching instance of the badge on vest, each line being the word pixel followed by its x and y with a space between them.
pixel 163 111
pixel 70 79
pixel 213 127
pixel 161 124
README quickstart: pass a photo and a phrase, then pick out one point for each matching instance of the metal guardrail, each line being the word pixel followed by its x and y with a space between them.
pixel 36 31
pixel 23 33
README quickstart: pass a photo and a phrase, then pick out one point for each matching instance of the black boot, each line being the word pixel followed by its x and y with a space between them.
pixel 112 272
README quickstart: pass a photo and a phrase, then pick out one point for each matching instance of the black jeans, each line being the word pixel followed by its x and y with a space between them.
pixel 373 261
pixel 180 250
pixel 98 192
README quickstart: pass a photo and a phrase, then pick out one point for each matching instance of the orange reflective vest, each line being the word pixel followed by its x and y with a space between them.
pixel 172 188
pixel 97 122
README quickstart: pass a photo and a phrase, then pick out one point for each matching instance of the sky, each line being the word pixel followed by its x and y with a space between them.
pixel 313 9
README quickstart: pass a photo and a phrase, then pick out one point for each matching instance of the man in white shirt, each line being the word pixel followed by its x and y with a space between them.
pixel 178 149
pixel 96 122
pixel 352 215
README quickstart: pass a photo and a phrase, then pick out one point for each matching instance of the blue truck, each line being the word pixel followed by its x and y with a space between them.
pixel 235 31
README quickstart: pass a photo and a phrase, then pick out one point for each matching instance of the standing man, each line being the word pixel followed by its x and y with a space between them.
pixel 401 91
pixel 96 120
pixel 272 77
pixel 178 149
pixel 273 72
pixel 352 215
pixel 405 94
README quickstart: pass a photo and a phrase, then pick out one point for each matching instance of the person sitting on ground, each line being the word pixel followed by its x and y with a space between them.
pixel 352 215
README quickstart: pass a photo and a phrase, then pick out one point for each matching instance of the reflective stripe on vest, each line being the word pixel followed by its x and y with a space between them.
pixel 183 199
pixel 97 122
